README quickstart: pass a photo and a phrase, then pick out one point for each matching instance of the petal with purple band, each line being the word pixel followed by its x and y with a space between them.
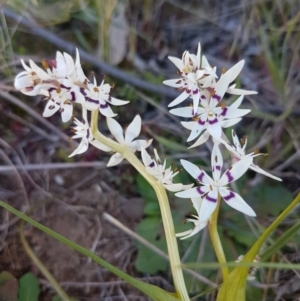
pixel 235 201
pixel 209 205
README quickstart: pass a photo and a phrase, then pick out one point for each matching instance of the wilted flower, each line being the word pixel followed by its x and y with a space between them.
pixel 212 187
pixel 161 173
pixel 132 131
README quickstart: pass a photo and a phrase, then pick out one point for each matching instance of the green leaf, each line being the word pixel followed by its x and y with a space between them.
pixel 8 287
pixel 29 288
pixel 147 261
pixel 154 292
pixel 234 286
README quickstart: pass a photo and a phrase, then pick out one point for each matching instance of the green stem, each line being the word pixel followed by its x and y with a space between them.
pixel 215 239
pixel 163 200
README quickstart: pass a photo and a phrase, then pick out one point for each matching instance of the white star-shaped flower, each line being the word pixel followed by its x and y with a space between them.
pixel 61 99
pixel 97 97
pixel 82 131
pixel 132 131
pixel 212 115
pixel 164 175
pixel 212 187
pixel 238 152
pixel 198 222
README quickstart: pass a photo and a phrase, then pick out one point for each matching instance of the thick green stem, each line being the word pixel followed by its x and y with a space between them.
pixel 163 200
pixel 215 239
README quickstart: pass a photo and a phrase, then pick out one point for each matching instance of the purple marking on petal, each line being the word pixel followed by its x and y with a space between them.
pixel 211 199
pixel 217 97
pixel 188 91
pixel 88 134
pixel 65 87
pixel 228 197
pixel 195 92
pixel 201 192
pixel 200 177
pixel 82 91
pixel 218 167
pixel 51 107
pixel 151 164
pixel 224 111
pixel 203 96
pixel 104 106
pixel 51 89
pixel 201 122
pixel 73 96
pixel 229 176
pixel 213 121
pixel 92 100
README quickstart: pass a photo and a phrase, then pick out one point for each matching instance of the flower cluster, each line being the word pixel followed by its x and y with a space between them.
pixel 209 114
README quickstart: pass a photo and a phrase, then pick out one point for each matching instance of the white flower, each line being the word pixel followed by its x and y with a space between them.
pixel 212 187
pixel 212 114
pixel 198 222
pixel 99 98
pixel 238 152
pixel 132 131
pixel 61 99
pixel 161 173
pixel 190 70
pixel 31 81
pixel 82 130
pixel 197 76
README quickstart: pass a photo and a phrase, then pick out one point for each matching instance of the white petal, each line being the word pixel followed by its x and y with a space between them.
pixel 183 112
pixel 117 102
pixel 202 139
pixel 173 187
pixel 82 147
pixel 138 144
pixel 176 61
pixel 209 204
pixel 50 109
pixel 234 91
pixel 175 83
pixel 106 110
pixel 236 70
pixel 182 97
pixel 188 124
pixel 230 113
pixel 115 159
pixel 237 170
pixel 61 67
pixel 236 201
pixel 199 126
pixel 230 122
pixel 147 160
pixel 261 171
pixel 237 103
pixel 133 130
pixel 199 55
pixel 116 129
pixel 214 127
pixel 67 111
pixel 216 162
pixel 194 192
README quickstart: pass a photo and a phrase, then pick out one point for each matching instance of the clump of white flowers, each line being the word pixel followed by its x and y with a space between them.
pixel 63 84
